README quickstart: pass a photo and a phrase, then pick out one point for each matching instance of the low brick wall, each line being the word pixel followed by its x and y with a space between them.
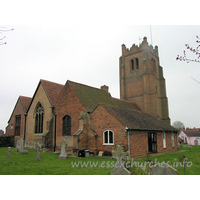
pixel 7 141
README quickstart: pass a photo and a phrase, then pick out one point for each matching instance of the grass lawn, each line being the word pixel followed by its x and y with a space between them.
pixel 20 164
pixel 192 153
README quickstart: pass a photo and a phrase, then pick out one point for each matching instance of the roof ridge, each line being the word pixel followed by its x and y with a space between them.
pixel 50 82
pixel 24 97
pixel 126 101
pixel 115 106
pixel 86 85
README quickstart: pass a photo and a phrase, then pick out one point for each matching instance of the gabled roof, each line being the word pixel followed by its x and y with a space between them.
pixel 138 120
pixel 51 89
pixel 91 97
pixel 24 101
pixel 192 132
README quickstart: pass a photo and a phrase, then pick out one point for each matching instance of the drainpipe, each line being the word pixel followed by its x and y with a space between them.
pixel 25 114
pixel 127 130
pixel 54 128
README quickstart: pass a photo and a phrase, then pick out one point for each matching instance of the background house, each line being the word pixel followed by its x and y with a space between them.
pixel 190 136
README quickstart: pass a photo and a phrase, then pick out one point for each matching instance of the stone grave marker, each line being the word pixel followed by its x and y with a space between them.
pixel 17 146
pixel 163 169
pixel 119 168
pixel 38 156
pixel 20 146
pixel 9 152
pixel 196 142
pixel 63 154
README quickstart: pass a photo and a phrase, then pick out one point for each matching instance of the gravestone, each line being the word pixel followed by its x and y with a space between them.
pixel 20 146
pixel 196 142
pixel 163 169
pixel 9 152
pixel 119 168
pixel 63 150
pixel 17 146
pixel 38 156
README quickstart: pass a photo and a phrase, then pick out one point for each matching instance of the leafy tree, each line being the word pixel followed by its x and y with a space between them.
pixel 179 125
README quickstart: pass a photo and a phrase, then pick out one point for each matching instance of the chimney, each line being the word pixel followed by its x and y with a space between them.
pixel 104 87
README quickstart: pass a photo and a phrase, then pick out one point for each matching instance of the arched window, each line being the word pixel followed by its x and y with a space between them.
pixel 108 137
pixel 132 64
pixel 39 117
pixel 137 63
pixel 66 125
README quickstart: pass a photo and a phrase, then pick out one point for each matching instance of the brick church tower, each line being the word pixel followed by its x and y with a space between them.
pixel 142 81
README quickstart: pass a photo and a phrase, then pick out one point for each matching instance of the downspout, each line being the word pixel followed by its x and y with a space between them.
pixel 25 114
pixel 54 129
pixel 177 135
pixel 127 130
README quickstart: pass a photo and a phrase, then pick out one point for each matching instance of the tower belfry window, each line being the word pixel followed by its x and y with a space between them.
pixel 132 64
pixel 137 63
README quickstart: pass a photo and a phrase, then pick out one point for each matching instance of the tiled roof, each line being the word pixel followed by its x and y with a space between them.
pixel 91 97
pixel 53 90
pixel 192 132
pixel 138 120
pixel 25 102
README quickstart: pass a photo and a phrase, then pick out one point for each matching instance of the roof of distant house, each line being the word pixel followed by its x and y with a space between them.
pixel 192 132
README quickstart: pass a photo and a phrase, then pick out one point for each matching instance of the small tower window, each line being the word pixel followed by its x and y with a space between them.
pixel 137 63
pixel 132 64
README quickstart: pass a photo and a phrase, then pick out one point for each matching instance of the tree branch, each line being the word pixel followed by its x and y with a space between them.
pixel 195 51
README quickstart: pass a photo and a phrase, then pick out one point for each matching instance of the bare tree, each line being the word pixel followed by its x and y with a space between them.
pixel 193 50
pixel 2 38
pixel 179 125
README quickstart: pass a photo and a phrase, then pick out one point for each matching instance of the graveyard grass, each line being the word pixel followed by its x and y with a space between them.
pixel 26 164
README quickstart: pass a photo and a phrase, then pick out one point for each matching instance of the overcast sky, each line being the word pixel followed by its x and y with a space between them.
pixel 90 55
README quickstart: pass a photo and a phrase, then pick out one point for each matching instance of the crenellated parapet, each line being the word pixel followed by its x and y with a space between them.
pixel 135 48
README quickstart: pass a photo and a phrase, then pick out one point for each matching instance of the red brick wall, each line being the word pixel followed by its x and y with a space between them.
pixel 68 104
pixel 168 142
pixel 18 110
pixel 103 121
pixel 139 143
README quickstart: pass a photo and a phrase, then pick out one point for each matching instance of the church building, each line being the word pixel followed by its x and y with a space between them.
pixel 90 118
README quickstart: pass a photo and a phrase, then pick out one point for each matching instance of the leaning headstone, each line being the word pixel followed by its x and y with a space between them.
pixel 163 169
pixel 9 152
pixel 119 168
pixel 63 150
pixel 38 156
